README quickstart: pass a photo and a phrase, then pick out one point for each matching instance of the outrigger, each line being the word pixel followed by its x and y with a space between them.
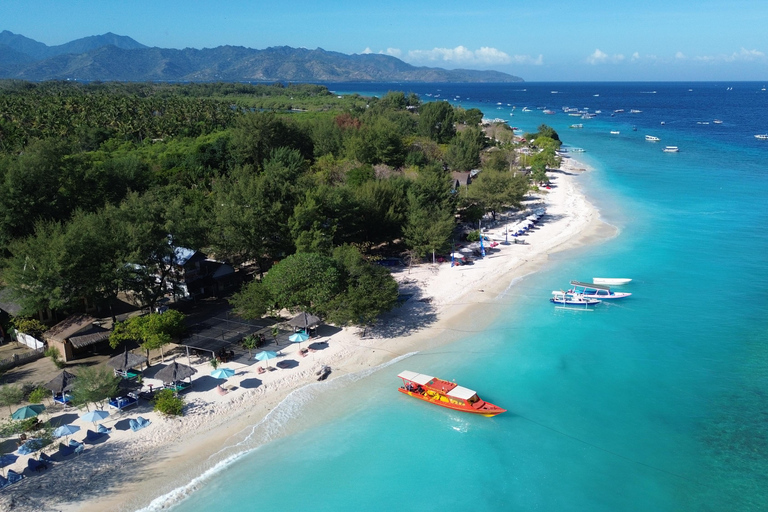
pixel 445 394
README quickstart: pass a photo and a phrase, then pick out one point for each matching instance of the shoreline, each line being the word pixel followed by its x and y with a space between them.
pixel 177 451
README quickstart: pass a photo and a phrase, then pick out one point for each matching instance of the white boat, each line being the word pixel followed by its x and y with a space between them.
pixel 574 300
pixel 618 110
pixel 596 291
pixel 717 121
pixel 615 132
pixel 577 125
pixel 611 281
pixel 526 109
pixel 635 111
pixel 651 138
pixel 577 150
pixel 763 136
pixel 671 149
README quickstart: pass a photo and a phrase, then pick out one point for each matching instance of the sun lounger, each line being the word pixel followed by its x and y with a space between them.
pixel 13 476
pixel 78 447
pixel 103 430
pixel 36 465
pixel 260 370
pixel 65 451
pixel 4 482
pixel 138 423
pixel 123 402
pixel 127 374
pixel 62 399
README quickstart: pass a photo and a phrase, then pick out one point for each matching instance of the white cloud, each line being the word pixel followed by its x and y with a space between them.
pixel 742 55
pixel 367 50
pixel 463 55
pixel 600 57
pixel 636 56
pixel 680 55
pixel 394 52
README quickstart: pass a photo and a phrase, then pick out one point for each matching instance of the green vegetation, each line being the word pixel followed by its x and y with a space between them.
pixel 10 395
pixel 94 385
pixel 103 183
pixel 151 332
pixel 168 403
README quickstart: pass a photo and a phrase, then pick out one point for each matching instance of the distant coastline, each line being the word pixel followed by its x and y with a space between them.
pixel 110 57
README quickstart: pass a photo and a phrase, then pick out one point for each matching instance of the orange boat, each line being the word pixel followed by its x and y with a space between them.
pixel 445 394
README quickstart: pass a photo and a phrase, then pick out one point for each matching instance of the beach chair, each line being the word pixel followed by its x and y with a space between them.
pixel 64 451
pixel 78 447
pixel 36 465
pixel 138 423
pixel 123 402
pixel 103 430
pixel 4 482
pixel 14 477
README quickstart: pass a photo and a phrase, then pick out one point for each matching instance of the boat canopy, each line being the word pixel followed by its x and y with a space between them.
pixel 418 378
pixel 591 286
pixel 461 393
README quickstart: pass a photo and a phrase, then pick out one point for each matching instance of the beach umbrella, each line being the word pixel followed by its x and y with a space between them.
pixel 266 355
pixel 304 320
pixel 298 337
pixel 222 373
pixel 65 430
pixel 126 360
pixel 94 416
pixel 175 372
pixel 28 411
pixel 61 383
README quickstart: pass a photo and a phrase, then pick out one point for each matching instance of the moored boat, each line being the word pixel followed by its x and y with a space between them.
pixel 565 299
pixel 596 291
pixel 612 281
pixel 445 394
pixel 762 136
pixel 671 149
pixel 577 125
pixel 651 138
pixel 615 132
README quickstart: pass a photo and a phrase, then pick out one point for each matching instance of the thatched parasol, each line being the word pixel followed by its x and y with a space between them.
pixel 175 372
pixel 304 320
pixel 126 361
pixel 62 382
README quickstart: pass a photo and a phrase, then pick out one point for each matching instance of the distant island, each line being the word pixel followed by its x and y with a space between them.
pixel 110 57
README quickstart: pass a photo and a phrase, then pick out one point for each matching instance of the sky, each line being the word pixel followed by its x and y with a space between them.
pixel 550 40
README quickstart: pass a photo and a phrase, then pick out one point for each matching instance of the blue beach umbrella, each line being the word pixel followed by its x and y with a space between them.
pixel 222 373
pixel 65 430
pixel 298 337
pixel 266 355
pixel 94 416
pixel 28 411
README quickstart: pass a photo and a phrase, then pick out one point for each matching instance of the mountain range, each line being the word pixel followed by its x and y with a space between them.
pixel 113 57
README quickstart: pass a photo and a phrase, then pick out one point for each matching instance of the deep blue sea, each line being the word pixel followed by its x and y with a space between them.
pixel 655 403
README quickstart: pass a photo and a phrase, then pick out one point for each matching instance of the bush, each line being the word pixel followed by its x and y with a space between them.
pixel 38 394
pixel 10 395
pixel 55 356
pixel 29 326
pixel 166 402
pixel 473 236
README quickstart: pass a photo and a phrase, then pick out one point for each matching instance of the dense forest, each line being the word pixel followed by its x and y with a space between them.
pixel 102 183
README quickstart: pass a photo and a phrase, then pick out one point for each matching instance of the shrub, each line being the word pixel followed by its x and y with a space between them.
pixel 55 356
pixel 10 395
pixel 38 394
pixel 168 403
pixel 473 236
pixel 29 326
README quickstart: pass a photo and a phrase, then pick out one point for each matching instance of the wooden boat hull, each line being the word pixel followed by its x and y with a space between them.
pixel 444 401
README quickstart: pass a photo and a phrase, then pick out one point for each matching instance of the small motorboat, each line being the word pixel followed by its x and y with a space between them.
pixel 651 138
pixel 615 132
pixel 611 281
pixel 762 136
pixel 671 149
pixel 596 291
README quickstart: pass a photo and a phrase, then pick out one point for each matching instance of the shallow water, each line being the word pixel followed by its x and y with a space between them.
pixel 654 403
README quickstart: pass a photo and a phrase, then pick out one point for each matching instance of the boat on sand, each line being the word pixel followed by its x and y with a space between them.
pixel 611 281
pixel 445 394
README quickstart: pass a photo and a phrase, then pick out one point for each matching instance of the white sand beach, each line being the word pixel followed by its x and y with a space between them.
pixel 131 469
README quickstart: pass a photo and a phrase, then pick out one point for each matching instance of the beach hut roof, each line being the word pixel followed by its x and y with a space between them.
pixel 175 371
pixel 62 382
pixel 304 320
pixel 126 360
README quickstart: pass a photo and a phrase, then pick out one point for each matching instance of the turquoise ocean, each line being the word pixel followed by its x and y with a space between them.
pixel 658 402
